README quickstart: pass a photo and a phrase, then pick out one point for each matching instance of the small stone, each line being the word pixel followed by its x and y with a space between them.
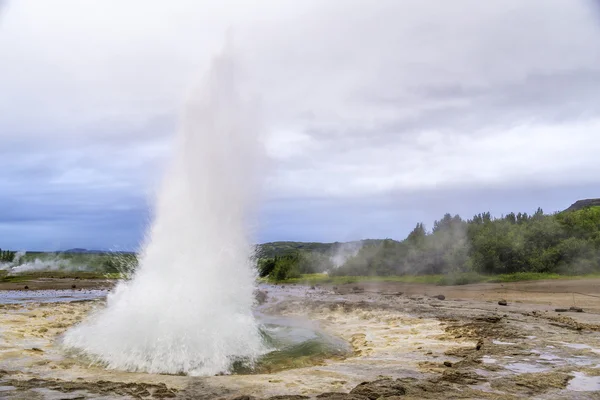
pixel 448 364
pixel 73 286
pixel 312 288
pixel 26 287
pixel 561 309
pixel 479 344
pixel 503 302
pixel 576 309
pixel 440 297
pixel 341 396
pixel 379 388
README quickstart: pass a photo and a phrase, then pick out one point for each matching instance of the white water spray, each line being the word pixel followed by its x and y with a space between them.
pixel 188 308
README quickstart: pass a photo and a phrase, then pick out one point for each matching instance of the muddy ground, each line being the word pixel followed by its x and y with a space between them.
pixel 406 344
pixel 58 284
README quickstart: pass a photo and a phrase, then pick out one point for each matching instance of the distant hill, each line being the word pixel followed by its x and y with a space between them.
pixel 273 249
pixel 77 250
pixel 580 204
pixel 86 251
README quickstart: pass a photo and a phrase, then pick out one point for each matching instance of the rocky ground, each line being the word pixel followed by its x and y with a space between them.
pixel 408 342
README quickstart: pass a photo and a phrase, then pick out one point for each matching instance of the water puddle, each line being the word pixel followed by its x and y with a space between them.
pixel 502 343
pixel 488 360
pixel 523 368
pixel 49 296
pixel 583 383
pixel 580 346
pixel 549 357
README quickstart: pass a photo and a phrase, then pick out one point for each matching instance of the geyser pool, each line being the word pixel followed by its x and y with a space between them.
pixel 293 343
pixel 188 308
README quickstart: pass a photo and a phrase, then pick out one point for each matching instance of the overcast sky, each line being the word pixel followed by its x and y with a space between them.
pixel 377 114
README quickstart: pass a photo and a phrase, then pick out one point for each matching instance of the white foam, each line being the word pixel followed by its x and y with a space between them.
pixel 188 307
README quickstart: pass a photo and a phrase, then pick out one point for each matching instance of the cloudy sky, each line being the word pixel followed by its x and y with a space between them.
pixel 377 114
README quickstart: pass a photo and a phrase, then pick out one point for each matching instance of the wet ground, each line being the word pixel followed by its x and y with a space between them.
pixel 410 345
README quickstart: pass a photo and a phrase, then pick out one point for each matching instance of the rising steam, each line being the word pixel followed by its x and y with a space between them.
pixel 188 308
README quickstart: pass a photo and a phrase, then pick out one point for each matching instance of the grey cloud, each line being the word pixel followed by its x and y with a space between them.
pixel 371 95
pixel 395 214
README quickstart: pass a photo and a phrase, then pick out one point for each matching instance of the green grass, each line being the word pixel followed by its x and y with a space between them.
pixel 441 280
pixel 314 279
pixel 536 276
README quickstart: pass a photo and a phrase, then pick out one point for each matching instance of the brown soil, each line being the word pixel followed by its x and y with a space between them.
pixel 553 293
pixel 58 284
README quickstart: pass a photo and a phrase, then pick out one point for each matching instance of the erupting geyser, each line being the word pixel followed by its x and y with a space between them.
pixel 188 308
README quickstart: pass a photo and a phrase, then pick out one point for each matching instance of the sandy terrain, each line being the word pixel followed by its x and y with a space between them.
pixel 404 346
pixel 553 293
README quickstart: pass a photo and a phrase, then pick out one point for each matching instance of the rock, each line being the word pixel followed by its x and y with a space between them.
pixel 532 383
pixel 312 288
pixel 479 344
pixel 288 397
pixel 164 393
pixel 492 319
pixel 440 297
pixel 462 378
pixel 260 296
pixel 73 286
pixel 244 397
pixel 448 364
pixel 341 396
pixel 576 309
pixel 26 287
pixel 561 309
pixel 379 388
pixel 503 302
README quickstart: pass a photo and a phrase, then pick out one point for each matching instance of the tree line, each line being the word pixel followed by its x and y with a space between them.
pixel 7 256
pixel 565 243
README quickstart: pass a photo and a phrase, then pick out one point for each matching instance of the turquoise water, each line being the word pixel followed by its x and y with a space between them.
pixel 294 343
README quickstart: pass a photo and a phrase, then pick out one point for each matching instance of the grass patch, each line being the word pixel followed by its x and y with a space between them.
pixel 525 276
pixel 536 276
pixel 314 279
pixel 464 278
